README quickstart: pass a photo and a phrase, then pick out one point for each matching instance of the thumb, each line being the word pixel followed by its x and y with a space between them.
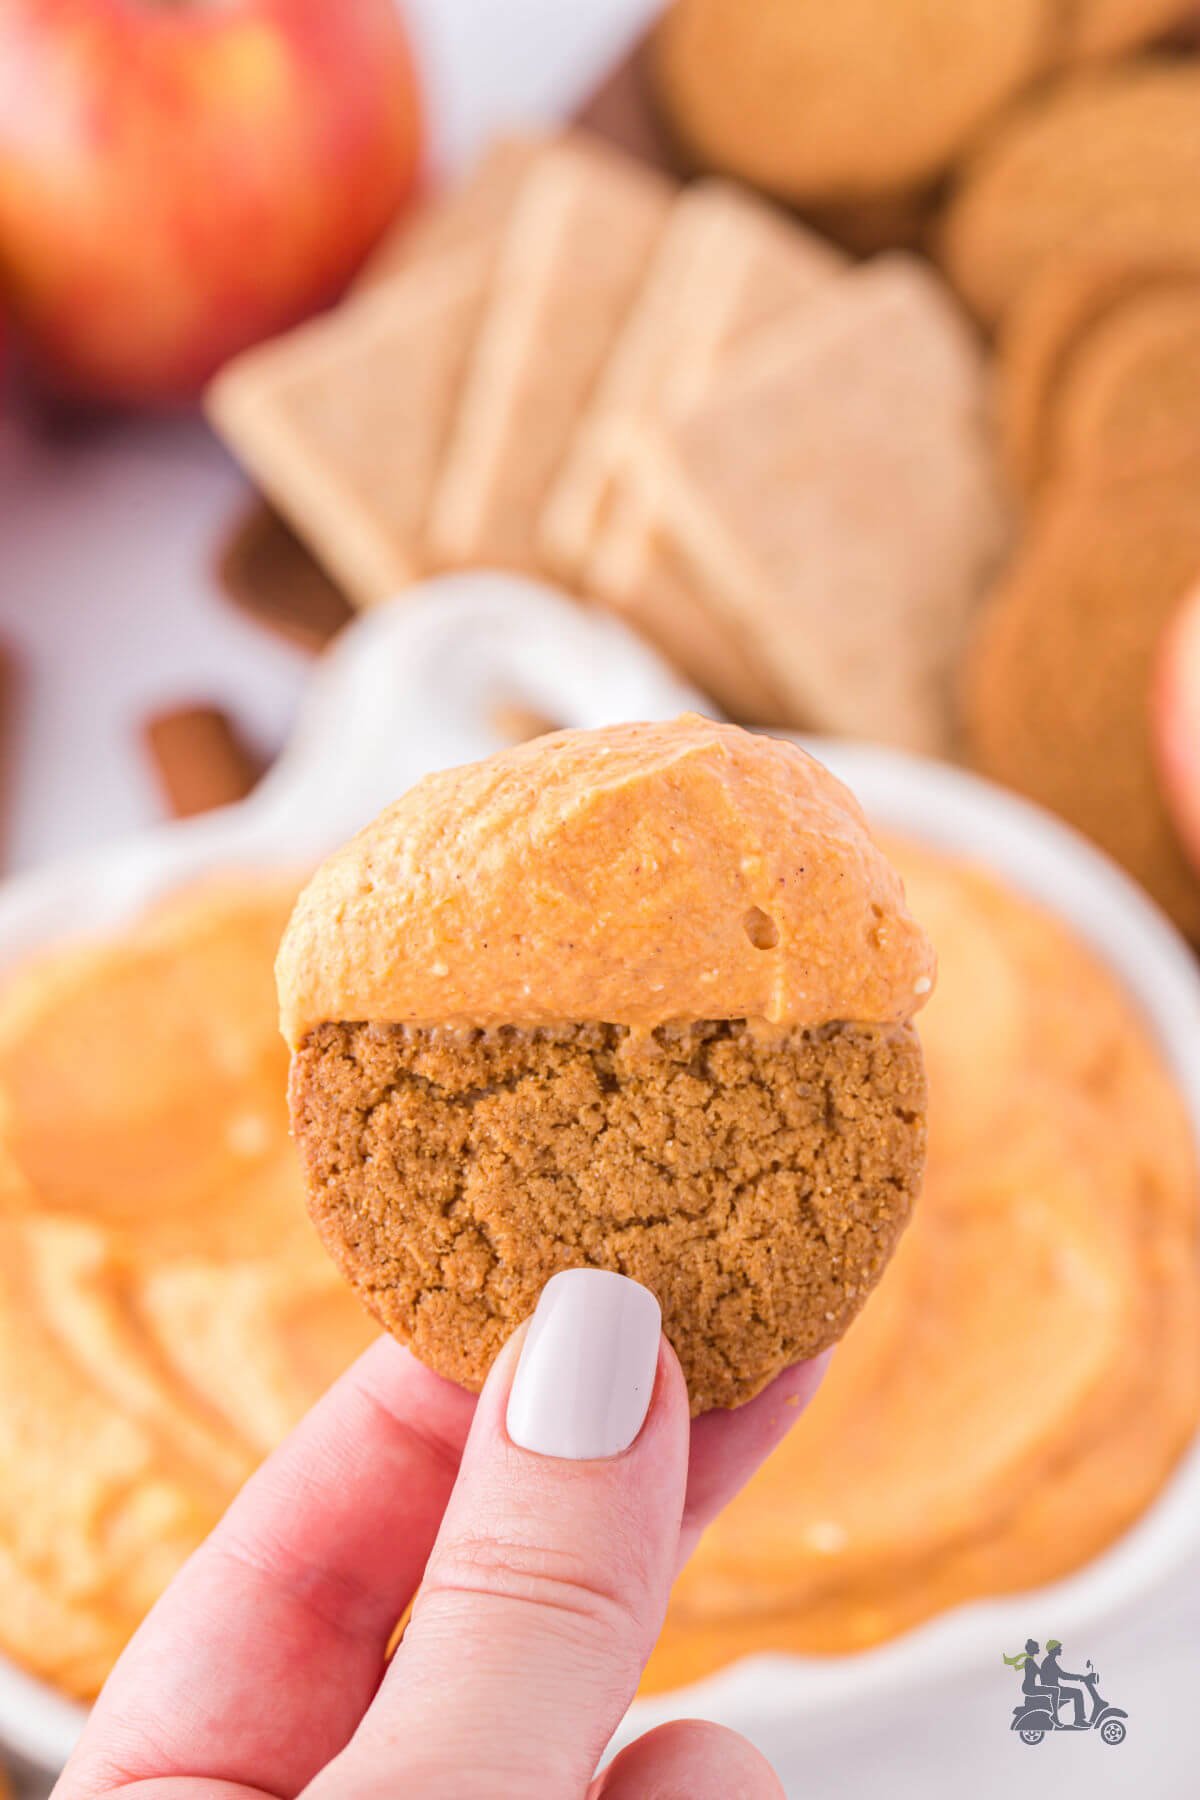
pixel 549 1579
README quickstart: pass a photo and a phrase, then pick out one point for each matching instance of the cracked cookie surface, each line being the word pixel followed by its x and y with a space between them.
pixel 757 1185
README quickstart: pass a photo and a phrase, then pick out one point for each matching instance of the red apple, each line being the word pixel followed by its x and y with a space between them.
pixel 1175 713
pixel 179 178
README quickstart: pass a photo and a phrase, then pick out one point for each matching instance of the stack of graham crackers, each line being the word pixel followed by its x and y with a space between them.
pixel 677 401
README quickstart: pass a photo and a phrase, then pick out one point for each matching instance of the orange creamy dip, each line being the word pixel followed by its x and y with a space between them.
pixel 1015 1392
pixel 638 875
pixel 1028 1372
pixel 166 1312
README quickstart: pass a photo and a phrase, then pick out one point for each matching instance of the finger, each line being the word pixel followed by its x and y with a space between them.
pixel 258 1662
pixel 1175 718
pixel 690 1759
pixel 727 1447
pixel 304 1530
pixel 548 1583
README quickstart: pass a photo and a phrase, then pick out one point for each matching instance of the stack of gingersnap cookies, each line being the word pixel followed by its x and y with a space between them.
pixel 1046 155
pixel 1075 232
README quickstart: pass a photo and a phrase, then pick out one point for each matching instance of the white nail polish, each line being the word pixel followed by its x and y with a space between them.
pixel 586 1374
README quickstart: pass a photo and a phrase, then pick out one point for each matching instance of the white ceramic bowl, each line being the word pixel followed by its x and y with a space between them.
pixel 412 687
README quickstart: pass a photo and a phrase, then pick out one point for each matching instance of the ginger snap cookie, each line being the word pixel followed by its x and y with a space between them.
pixel 1051 318
pixel 819 103
pixel 1059 681
pixel 1130 403
pixel 1104 161
pixel 638 998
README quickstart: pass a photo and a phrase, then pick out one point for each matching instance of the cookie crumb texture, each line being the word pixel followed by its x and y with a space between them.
pixel 758 1187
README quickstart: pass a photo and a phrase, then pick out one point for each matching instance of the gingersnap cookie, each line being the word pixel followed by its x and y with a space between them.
pixel 1051 318
pixel 819 103
pixel 1131 400
pixel 1058 687
pixel 638 999
pixel 1104 161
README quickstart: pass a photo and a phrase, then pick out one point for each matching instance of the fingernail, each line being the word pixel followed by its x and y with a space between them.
pixel 586 1374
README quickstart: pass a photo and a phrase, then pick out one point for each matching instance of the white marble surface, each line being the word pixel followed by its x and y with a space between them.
pixel 107 601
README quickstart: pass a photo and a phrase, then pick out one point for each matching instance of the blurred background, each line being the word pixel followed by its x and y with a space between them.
pixel 851 360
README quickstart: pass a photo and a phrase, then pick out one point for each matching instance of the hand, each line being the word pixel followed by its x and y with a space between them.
pixel 543 1527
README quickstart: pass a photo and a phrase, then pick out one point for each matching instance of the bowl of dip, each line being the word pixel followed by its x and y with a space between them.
pixel 1006 1365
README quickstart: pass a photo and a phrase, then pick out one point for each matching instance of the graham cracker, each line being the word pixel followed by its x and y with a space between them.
pixel 750 264
pixel 673 612
pixel 462 218
pixel 583 229
pixel 639 572
pixel 343 421
pixel 724 262
pixel 259 562
pixel 838 498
